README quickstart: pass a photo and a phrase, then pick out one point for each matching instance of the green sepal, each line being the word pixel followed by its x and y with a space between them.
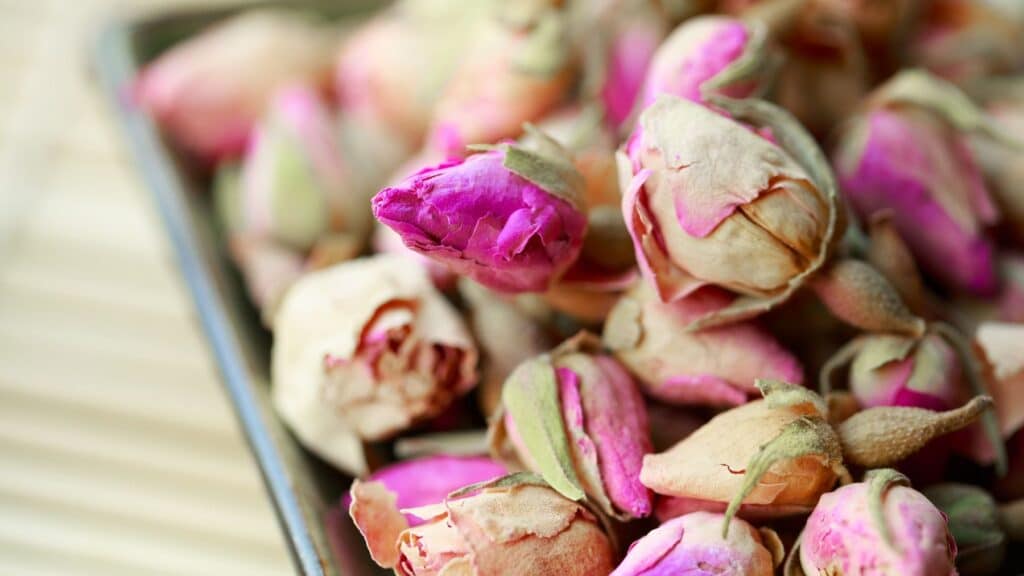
pixel 752 64
pixel 546 164
pixel 803 436
pixel 530 397
pixel 227 197
pixel 879 481
pixel 779 394
pixel 545 51
pixel 298 204
pixel 508 481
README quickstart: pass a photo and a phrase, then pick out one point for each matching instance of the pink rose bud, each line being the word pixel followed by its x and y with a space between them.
pixel 880 526
pixel 899 371
pixel 716 366
pixel 693 544
pixel 910 161
pixel 509 218
pixel 695 53
pixel 516 72
pixel 578 420
pixel 364 350
pixel 968 40
pixel 513 525
pixel 295 186
pixel 710 202
pixel 208 91
pixel 635 37
pixel 387 241
pixel 430 479
pixel 391 72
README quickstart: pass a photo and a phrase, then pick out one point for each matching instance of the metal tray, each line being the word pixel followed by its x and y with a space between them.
pixel 305 491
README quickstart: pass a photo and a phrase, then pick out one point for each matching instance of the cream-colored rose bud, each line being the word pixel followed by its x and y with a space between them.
pixel 708 201
pixel 362 351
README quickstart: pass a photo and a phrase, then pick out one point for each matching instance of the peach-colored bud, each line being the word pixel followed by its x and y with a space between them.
pixel 208 91
pixel 715 366
pixel 514 525
pixel 362 351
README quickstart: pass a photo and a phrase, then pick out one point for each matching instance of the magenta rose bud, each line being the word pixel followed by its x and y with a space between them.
pixel 509 218
pixel 912 163
pixel 208 91
pixel 693 544
pixel 578 419
pixel 429 480
pixel 888 530
pixel 696 52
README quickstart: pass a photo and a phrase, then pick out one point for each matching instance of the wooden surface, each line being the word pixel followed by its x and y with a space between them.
pixel 119 453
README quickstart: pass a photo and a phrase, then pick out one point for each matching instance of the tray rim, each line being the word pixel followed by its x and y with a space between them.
pixel 115 67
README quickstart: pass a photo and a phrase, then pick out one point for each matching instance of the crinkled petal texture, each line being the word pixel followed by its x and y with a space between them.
pixel 362 351
pixel 520 530
pixel 712 202
pixel 716 366
pixel 485 222
pixel 1002 347
pixel 911 164
pixel 429 480
pixel 706 469
pixel 694 53
pixel 693 545
pixel 841 536
pixel 206 91
pixel 897 371
pixel 606 422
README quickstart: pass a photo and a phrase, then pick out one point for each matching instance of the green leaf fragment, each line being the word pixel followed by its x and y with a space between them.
pixel 530 397
pixel 878 482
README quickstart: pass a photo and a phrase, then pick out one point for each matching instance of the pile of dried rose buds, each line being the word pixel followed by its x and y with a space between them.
pixel 636 287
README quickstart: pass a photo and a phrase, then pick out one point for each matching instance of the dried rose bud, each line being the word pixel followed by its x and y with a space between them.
pixel 208 91
pixel 295 185
pixel 727 464
pixel 899 371
pixel 1000 345
pixel 912 161
pixel 716 366
pixel 880 526
pixel 516 72
pixel 387 241
pixel 715 464
pixel 966 40
pixel 514 525
pixel 973 518
pixel 362 351
pixel 391 72
pixel 693 544
pixel 710 202
pixel 695 55
pixel 636 34
pixel 509 218
pixel 576 418
pixel 430 479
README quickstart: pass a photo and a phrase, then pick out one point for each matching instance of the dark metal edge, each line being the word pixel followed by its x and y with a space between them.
pixel 116 68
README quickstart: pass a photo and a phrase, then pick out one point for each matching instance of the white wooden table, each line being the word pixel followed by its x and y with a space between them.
pixel 119 453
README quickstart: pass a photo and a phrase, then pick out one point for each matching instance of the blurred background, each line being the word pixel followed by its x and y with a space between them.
pixel 119 453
